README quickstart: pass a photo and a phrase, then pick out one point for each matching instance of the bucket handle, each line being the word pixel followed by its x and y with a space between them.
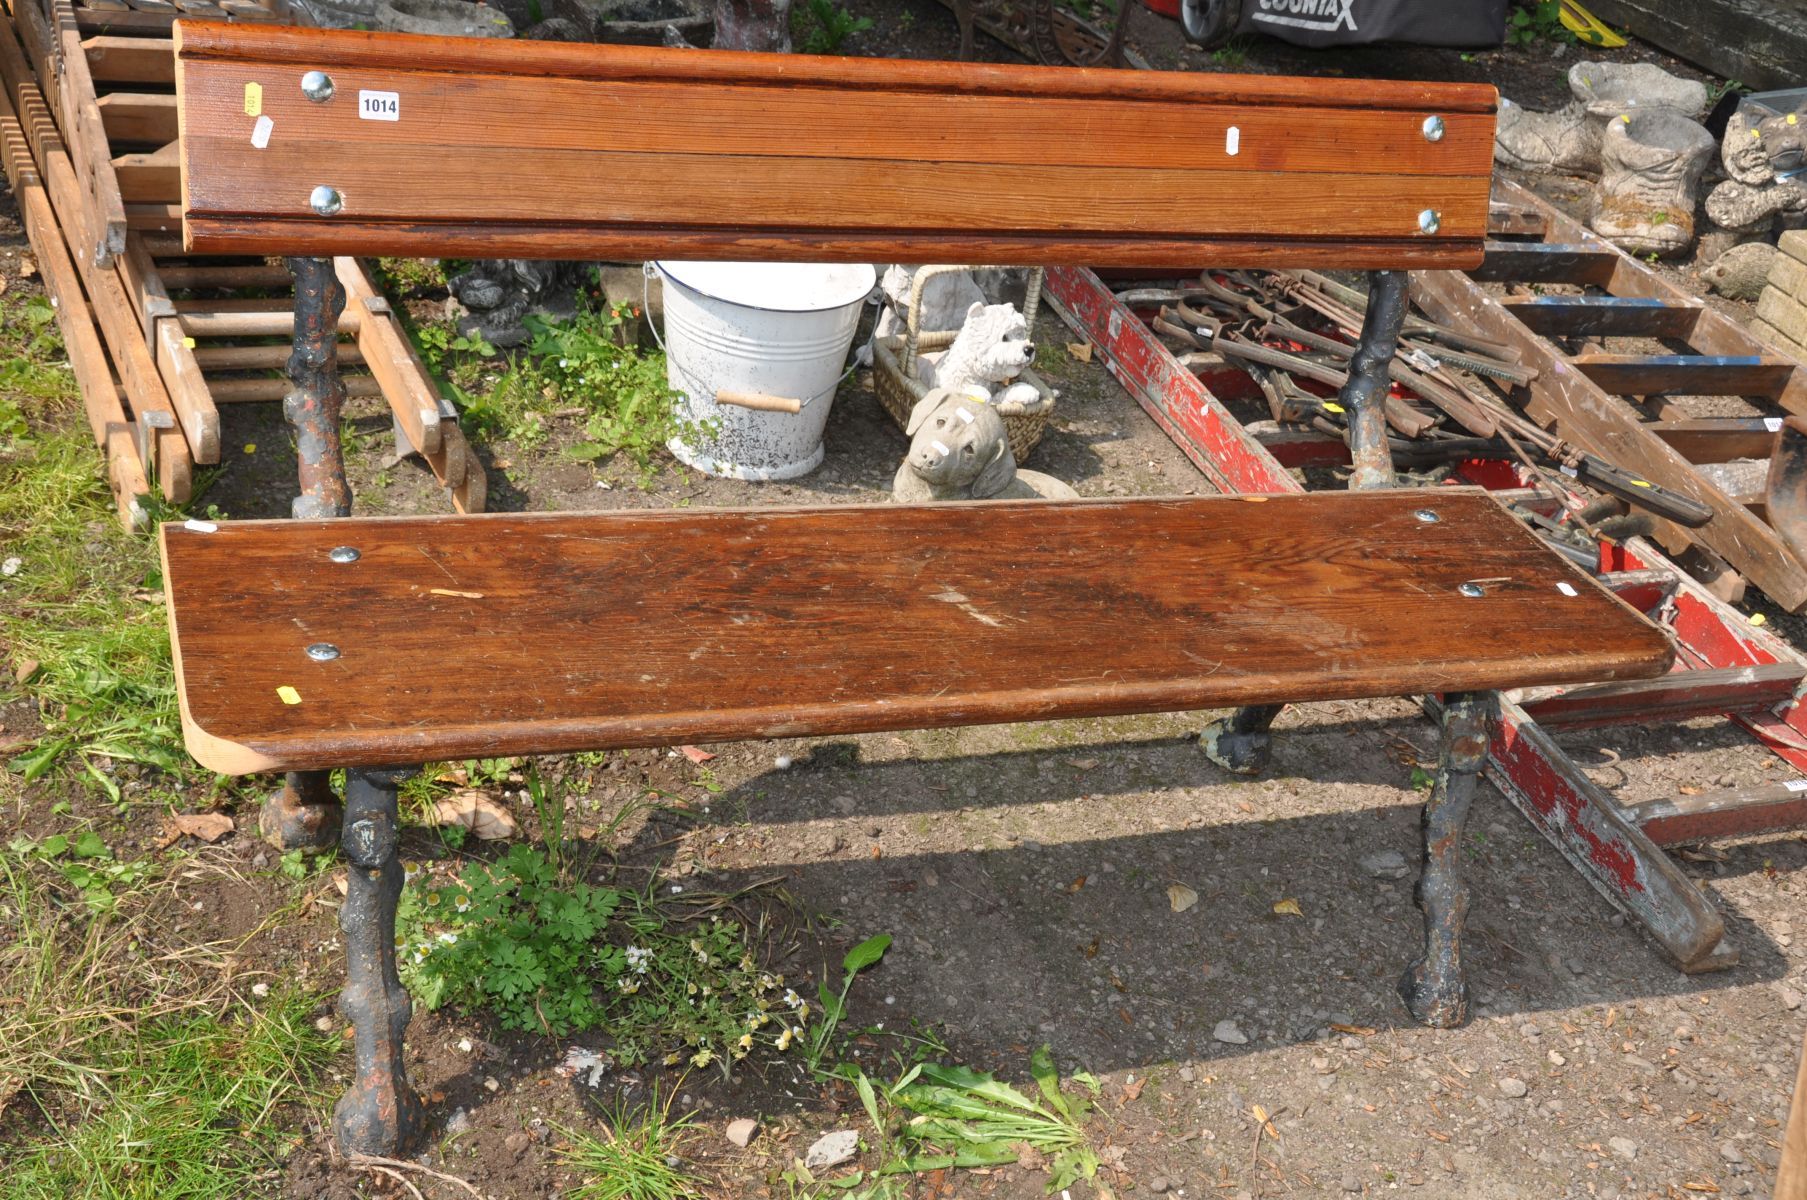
pixel 761 401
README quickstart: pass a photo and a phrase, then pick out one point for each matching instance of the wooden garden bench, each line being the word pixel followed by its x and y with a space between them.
pixel 374 644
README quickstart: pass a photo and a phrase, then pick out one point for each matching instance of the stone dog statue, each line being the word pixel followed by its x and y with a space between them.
pixel 990 351
pixel 959 450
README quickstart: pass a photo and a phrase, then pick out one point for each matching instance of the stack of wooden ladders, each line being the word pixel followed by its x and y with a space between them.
pixel 629 629
pixel 160 338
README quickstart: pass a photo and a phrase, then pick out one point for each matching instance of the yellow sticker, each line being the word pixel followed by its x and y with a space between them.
pixel 1639 483
pixel 1625 117
pixel 250 447
pixel 1756 133
pixel 188 343
pixel 254 99
pixel 1329 407
pixel 1759 619
pixel 289 695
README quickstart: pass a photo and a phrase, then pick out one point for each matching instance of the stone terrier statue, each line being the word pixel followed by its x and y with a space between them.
pixel 959 450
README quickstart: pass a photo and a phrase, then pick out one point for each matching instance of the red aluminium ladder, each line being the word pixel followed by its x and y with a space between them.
pixel 1726 666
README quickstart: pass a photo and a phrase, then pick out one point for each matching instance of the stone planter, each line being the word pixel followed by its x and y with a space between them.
pixel 1568 139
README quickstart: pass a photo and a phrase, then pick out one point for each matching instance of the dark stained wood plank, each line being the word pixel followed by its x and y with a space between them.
pixel 779 156
pixel 525 633
pixel 1687 374
pixel 1604 316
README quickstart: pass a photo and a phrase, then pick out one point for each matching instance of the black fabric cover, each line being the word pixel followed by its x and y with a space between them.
pixel 1348 22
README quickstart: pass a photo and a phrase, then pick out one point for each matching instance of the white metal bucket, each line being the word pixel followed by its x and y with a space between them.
pixel 765 330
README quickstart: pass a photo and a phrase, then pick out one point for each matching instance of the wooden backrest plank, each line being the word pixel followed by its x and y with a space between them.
pixel 638 152
pixel 537 633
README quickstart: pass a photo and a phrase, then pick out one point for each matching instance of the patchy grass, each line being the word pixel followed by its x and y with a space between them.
pixel 127 1067
pixel 102 675
pixel 638 1157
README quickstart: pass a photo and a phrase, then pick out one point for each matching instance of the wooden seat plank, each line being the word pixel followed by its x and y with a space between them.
pixel 777 156
pixel 539 633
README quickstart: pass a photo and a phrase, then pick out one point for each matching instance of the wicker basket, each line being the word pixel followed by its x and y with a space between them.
pixel 894 368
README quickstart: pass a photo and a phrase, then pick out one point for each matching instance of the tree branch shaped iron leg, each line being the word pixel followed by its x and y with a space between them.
pixel 304 815
pixel 1433 986
pixel 1241 742
pixel 312 407
pixel 379 1114
pixel 1364 395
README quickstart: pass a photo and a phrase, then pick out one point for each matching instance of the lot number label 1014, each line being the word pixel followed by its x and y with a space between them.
pixel 380 106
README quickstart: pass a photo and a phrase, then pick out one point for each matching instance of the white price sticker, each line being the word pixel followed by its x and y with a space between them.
pixel 380 106
pixel 1773 424
pixel 1795 785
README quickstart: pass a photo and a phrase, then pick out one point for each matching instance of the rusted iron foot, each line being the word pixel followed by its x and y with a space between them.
pixel 1240 743
pixel 1433 987
pixel 313 405
pixel 304 815
pixel 380 1114
pixel 1370 379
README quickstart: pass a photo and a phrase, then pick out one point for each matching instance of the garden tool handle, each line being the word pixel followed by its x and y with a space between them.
pixel 760 401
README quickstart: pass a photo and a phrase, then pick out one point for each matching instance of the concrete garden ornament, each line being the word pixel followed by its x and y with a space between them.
pixel 959 450
pixel 1765 161
pixel 1569 139
pixel 1651 161
pixel 991 350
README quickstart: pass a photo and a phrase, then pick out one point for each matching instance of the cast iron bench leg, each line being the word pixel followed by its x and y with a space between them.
pixel 379 1114
pixel 305 815
pixel 1433 987
pixel 1240 742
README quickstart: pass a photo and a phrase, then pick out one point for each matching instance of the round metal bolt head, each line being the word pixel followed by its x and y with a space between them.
pixel 343 554
pixel 317 86
pixel 1433 129
pixel 323 652
pixel 1472 589
pixel 1430 221
pixel 325 200
pixel 1428 516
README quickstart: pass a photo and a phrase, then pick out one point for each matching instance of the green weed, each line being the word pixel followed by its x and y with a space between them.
pixel 1537 21
pixel 87 863
pixel 638 1156
pixel 1233 53
pixel 966 1118
pixel 822 26
pixel 834 1004
pixel 554 957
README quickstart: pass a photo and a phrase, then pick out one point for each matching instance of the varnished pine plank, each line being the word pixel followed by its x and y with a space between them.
pixel 113 58
pixel 138 117
pixel 530 633
pixel 780 156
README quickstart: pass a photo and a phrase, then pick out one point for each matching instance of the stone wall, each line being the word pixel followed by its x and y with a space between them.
pixel 1782 309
